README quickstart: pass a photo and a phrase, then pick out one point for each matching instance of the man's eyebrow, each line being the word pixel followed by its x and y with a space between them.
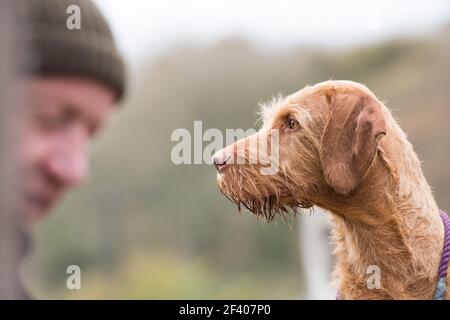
pixel 41 97
pixel 69 109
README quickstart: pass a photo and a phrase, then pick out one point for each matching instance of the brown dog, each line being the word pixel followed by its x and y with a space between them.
pixel 341 149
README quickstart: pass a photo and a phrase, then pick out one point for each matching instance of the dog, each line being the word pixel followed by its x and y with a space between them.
pixel 340 148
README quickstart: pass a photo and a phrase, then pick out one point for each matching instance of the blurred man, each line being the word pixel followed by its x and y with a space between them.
pixel 73 75
pixel 76 75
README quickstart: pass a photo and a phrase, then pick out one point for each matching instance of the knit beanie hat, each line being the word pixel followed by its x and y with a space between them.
pixel 86 50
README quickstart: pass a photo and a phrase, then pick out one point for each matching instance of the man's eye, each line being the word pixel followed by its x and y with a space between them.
pixel 52 121
pixel 292 123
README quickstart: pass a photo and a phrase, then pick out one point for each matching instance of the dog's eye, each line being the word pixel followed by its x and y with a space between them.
pixel 292 123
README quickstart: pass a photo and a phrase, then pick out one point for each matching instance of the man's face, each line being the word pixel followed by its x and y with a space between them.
pixel 60 118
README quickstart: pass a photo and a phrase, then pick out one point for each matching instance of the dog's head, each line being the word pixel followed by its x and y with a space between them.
pixel 321 139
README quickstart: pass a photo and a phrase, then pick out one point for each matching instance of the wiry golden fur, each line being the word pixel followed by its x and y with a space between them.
pixel 348 156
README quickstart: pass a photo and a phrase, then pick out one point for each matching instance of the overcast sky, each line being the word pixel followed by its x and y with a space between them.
pixel 144 27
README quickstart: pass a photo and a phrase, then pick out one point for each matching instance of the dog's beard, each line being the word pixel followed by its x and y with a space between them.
pixel 265 196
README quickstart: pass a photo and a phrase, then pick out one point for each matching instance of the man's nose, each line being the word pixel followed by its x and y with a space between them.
pixel 221 159
pixel 69 164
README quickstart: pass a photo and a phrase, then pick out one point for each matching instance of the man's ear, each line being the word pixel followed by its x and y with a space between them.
pixel 350 139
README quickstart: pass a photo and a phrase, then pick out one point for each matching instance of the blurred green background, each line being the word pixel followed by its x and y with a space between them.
pixel 143 227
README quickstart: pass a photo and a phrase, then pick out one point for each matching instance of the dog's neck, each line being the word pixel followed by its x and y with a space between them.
pixel 389 228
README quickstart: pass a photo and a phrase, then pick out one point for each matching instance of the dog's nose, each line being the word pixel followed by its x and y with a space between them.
pixel 221 160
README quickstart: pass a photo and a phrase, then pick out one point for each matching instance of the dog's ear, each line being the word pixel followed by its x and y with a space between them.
pixel 350 139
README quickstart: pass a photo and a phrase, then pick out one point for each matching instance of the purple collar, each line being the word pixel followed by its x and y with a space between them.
pixel 441 287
